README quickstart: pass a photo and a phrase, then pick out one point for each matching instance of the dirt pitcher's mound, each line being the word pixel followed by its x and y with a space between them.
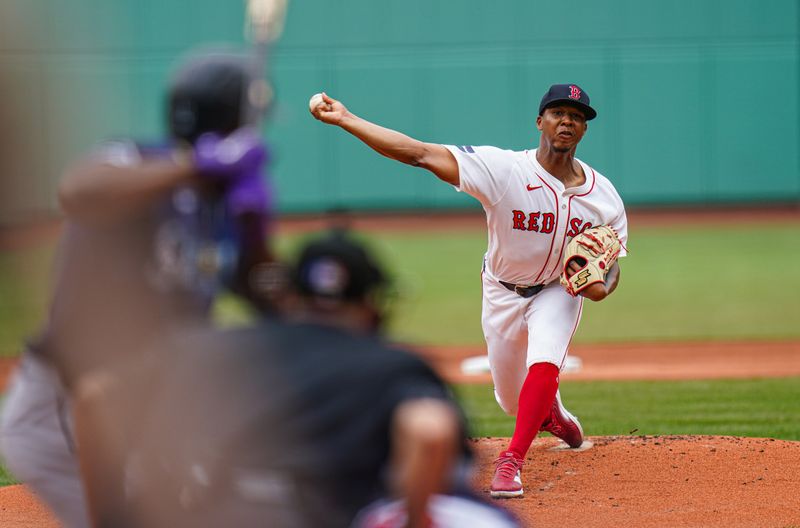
pixel 20 509
pixel 655 481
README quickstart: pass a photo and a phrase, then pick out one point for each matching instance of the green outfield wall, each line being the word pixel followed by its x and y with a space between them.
pixel 698 100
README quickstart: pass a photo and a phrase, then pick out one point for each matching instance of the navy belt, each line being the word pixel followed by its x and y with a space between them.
pixel 523 291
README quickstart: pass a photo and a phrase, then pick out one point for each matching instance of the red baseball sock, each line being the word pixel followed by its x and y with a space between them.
pixel 535 400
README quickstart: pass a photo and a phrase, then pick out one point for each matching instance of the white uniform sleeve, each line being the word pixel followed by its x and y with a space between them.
pixel 483 172
pixel 620 225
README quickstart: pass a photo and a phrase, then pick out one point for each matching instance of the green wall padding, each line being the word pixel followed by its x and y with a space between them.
pixel 698 101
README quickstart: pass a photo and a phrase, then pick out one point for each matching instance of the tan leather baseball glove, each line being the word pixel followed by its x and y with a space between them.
pixel 595 250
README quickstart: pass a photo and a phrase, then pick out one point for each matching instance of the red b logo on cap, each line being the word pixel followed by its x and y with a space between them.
pixel 574 92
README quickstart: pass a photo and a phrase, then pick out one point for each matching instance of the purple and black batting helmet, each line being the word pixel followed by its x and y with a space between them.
pixel 207 94
pixel 571 94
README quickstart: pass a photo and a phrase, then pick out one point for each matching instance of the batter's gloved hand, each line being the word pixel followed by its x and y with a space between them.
pixel 236 161
pixel 229 158
pixel 588 257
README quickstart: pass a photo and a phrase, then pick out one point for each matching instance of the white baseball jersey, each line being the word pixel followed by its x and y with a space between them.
pixel 530 216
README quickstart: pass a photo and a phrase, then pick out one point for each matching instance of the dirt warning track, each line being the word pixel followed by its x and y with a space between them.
pixel 649 361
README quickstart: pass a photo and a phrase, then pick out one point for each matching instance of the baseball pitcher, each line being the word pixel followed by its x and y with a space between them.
pixel 536 202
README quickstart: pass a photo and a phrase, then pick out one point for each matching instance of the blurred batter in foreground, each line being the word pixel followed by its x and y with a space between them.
pixel 152 233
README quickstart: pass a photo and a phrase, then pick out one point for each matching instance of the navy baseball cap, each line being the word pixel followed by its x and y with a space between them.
pixel 570 94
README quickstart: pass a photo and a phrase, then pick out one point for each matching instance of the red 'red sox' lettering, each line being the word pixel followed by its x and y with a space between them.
pixel 576 226
pixel 533 222
pixel 548 221
pixel 519 220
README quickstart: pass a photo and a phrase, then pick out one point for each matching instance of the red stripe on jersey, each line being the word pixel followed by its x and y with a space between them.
pixel 555 229
pixel 569 212
pixel 566 229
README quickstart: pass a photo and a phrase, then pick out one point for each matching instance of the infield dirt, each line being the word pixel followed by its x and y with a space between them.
pixel 649 482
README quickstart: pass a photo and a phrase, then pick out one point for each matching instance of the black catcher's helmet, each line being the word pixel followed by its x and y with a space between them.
pixel 207 93
pixel 339 268
pixel 335 270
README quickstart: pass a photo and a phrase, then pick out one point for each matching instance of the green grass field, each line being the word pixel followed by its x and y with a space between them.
pixel 24 290
pixel 679 283
pixel 6 478
pixel 683 283
pixel 768 408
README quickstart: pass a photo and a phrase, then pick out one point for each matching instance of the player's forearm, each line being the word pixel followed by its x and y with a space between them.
pixel 99 192
pixel 387 142
pixel 425 434
pixel 599 291
pixel 612 279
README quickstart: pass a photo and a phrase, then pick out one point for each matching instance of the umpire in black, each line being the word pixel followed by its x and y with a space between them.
pixel 306 422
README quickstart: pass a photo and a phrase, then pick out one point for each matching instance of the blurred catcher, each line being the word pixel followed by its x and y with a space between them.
pixel 152 233
pixel 306 422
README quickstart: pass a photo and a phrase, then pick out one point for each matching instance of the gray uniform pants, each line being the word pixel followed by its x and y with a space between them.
pixel 36 441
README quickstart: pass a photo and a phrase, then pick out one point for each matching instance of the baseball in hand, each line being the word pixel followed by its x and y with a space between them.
pixel 315 100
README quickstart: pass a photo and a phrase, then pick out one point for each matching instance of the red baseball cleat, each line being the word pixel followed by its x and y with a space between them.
pixel 507 481
pixel 563 425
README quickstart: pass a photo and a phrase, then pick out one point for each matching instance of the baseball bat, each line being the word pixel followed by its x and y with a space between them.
pixel 264 21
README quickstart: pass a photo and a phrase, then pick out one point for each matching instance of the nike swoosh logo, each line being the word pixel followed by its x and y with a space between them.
pixel 531 188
